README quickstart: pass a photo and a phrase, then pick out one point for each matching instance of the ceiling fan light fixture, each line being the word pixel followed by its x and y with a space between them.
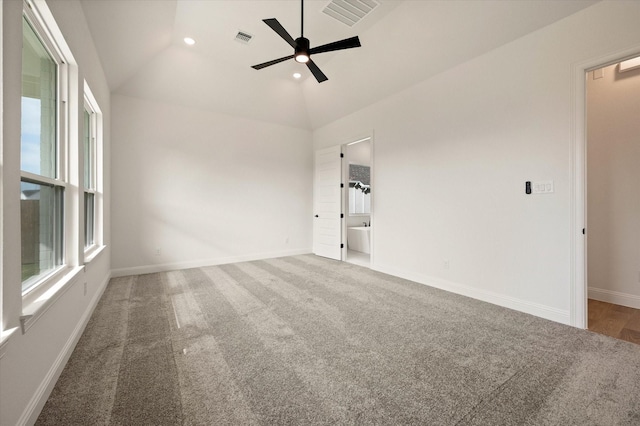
pixel 303 58
pixel 302 50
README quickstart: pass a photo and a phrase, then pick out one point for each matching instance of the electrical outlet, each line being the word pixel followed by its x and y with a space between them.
pixel 286 240
pixel 446 264
pixel 158 251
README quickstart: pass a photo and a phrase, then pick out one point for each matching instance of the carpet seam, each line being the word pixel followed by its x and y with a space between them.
pixel 497 391
pixel 126 339
pixel 173 349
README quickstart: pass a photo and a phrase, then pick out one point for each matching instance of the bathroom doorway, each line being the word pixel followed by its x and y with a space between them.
pixel 358 195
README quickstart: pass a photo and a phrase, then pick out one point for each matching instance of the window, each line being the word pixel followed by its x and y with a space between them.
pixel 42 179
pixel 89 176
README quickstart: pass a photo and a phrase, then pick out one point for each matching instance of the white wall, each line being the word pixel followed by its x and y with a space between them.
pixel 30 363
pixel 472 136
pixel 613 159
pixel 205 188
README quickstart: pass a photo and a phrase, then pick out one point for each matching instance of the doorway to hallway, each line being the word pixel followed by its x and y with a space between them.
pixel 620 322
pixel 613 202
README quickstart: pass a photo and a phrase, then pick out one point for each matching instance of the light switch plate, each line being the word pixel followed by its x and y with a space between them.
pixel 542 187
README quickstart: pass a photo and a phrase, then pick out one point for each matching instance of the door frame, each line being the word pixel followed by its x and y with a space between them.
pixel 578 271
pixel 345 206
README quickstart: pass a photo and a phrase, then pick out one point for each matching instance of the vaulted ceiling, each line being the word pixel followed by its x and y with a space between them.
pixel 140 44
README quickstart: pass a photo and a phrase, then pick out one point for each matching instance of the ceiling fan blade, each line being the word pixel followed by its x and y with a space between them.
pixel 275 26
pixel 319 75
pixel 268 64
pixel 347 43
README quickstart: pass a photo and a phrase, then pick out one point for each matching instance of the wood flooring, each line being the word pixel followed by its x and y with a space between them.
pixel 616 321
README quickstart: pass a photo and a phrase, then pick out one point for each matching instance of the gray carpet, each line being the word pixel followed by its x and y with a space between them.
pixel 306 340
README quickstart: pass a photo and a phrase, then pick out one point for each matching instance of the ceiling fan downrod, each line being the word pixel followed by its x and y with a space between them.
pixel 302 47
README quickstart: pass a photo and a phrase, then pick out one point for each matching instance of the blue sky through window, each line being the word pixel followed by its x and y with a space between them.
pixel 30 137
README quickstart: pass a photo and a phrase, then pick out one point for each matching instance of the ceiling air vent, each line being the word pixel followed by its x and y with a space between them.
pixel 349 12
pixel 243 37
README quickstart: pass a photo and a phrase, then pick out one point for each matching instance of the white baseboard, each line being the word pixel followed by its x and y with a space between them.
pixel 32 411
pixel 547 312
pixel 164 267
pixel 616 297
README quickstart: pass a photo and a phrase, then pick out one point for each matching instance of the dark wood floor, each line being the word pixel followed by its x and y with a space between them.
pixel 614 320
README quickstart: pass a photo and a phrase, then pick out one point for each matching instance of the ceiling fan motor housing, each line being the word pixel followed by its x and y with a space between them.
pixel 302 48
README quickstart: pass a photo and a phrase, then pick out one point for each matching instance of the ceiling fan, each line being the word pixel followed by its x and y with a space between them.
pixel 302 49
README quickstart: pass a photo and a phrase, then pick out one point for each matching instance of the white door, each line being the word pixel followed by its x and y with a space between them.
pixel 327 203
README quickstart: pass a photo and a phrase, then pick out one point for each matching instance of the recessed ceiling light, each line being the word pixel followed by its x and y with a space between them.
pixel 189 41
pixel 297 75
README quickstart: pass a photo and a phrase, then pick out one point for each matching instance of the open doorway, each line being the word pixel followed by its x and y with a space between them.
pixel 357 200
pixel 613 199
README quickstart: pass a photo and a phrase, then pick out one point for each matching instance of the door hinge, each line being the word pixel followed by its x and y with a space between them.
pixel 341 155
pixel 582 231
pixel 342 185
pixel 341 245
pixel 341 215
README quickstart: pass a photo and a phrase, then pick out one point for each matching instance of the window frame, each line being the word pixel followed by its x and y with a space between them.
pixel 96 177
pixel 90 187
pixel 39 284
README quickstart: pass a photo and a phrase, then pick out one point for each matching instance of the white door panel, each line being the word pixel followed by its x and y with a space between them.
pixel 327 201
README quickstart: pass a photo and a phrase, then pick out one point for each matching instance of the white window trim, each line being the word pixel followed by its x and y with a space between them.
pixel 4 334
pixel 61 179
pixel 93 121
pixel 42 283
pixel 39 297
pixel 40 300
pixel 39 179
pixel 90 103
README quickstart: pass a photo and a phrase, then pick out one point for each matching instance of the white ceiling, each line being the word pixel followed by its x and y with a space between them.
pixel 403 42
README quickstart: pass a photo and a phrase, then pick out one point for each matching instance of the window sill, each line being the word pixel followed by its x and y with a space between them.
pixel 4 339
pixel 92 253
pixel 36 308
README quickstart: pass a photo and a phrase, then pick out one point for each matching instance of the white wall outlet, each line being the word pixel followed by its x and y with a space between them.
pixel 542 187
pixel 445 264
pixel 158 251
